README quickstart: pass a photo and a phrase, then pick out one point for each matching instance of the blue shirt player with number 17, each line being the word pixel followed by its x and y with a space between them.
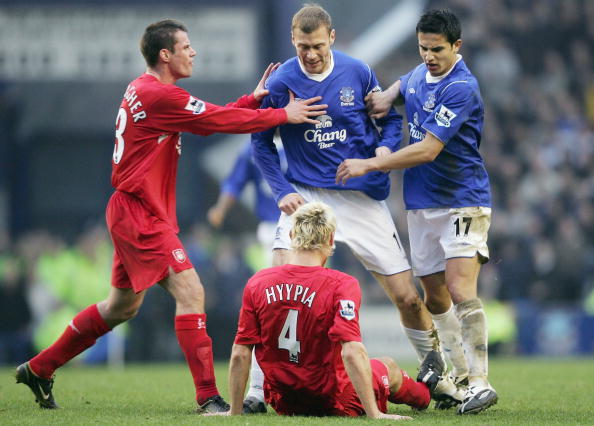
pixel 447 195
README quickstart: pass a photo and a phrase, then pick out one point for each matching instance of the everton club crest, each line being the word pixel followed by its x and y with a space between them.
pixel 429 103
pixel 347 96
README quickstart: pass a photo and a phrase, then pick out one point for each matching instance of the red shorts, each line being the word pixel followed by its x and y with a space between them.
pixel 145 246
pixel 347 403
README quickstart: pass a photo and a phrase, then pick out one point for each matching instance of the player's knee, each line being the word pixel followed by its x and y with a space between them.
pixel 437 305
pixel 410 302
pixel 118 313
pixel 129 312
pixel 389 363
pixel 188 292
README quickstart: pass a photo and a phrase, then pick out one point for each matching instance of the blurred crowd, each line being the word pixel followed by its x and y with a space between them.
pixel 44 282
pixel 535 63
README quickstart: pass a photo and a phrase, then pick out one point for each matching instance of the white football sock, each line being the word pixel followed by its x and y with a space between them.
pixel 473 322
pixel 450 337
pixel 256 389
pixel 423 341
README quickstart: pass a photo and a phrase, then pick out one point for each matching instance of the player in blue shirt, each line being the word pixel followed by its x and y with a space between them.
pixel 244 172
pixel 446 191
pixel 315 151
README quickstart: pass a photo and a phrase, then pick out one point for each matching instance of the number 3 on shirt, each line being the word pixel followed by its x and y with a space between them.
pixel 287 339
pixel 118 149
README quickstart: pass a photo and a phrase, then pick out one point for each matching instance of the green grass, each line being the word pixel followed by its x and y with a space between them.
pixel 531 391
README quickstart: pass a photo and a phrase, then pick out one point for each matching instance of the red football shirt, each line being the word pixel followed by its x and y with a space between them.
pixel 297 316
pixel 147 138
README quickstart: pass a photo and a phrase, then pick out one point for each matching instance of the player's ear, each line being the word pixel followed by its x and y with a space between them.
pixel 457 44
pixel 164 54
pixel 331 242
pixel 332 36
pixel 293 39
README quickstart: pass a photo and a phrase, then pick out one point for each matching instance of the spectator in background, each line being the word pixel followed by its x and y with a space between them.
pixel 498 65
pixel 141 214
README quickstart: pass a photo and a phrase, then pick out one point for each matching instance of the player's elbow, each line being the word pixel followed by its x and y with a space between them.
pixel 241 354
pixel 429 148
pixel 352 352
pixel 429 155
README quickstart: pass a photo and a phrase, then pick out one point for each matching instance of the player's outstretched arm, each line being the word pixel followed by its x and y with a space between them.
pixel 379 103
pixel 260 91
pixel 301 111
pixel 410 156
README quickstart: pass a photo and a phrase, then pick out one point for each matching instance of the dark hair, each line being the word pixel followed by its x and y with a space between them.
pixel 310 17
pixel 440 22
pixel 157 36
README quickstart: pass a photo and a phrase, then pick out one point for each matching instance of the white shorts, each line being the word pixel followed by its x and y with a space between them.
pixel 440 234
pixel 265 234
pixel 362 223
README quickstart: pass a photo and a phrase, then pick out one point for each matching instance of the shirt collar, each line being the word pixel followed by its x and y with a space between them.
pixel 318 77
pixel 430 79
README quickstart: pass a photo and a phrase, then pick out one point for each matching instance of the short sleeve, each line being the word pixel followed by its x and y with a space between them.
pixel 248 329
pixel 347 301
pixel 404 83
pixel 452 110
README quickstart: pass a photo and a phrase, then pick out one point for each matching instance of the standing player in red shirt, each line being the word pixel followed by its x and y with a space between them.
pixel 141 214
pixel 303 321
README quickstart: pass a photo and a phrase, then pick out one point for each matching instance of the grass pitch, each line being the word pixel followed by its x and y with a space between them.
pixel 531 391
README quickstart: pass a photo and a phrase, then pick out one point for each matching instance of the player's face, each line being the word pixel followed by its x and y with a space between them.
pixel 438 54
pixel 313 49
pixel 182 58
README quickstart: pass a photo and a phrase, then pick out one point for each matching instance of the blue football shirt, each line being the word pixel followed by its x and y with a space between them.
pixel 314 151
pixel 245 171
pixel 451 109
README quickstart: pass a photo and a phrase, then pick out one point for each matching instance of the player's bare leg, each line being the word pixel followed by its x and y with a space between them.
pixel 82 333
pixel 190 328
pixel 416 323
pixel 121 305
pixel 415 318
pixel 439 303
pixel 461 278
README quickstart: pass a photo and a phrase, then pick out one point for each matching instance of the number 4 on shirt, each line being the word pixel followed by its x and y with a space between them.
pixel 287 339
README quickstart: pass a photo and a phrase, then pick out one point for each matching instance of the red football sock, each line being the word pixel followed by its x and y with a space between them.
pixel 197 346
pixel 82 332
pixel 415 394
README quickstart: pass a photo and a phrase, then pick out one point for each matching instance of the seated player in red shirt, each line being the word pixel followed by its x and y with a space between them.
pixel 303 321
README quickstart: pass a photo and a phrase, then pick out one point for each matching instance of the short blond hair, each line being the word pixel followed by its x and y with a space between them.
pixel 313 225
pixel 311 17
